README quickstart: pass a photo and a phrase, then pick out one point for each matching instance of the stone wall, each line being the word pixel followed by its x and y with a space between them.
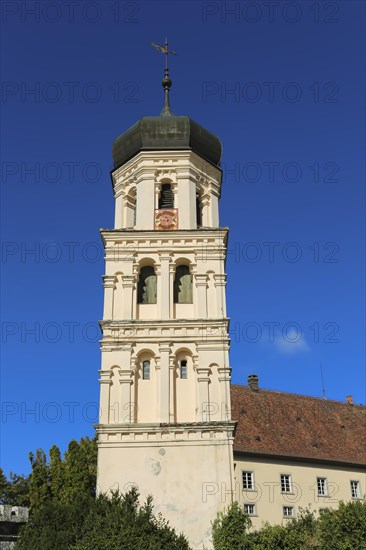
pixel 11 520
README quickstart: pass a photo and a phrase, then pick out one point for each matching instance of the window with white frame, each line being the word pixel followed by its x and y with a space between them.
pixel 249 509
pixel 355 489
pixel 286 483
pixel 288 511
pixel 183 369
pixel 322 486
pixel 248 481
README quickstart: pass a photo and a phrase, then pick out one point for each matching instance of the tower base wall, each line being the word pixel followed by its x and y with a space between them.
pixel 187 469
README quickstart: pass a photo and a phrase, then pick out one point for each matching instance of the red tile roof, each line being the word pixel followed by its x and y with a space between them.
pixel 298 426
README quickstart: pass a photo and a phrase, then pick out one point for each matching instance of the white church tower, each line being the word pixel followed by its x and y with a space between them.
pixel 165 415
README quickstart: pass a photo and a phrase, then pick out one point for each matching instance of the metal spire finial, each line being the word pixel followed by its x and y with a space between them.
pixel 166 82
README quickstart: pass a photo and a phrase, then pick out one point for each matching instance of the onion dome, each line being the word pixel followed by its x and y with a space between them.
pixel 166 132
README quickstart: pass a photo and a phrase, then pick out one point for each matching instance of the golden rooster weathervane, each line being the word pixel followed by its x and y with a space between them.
pixel 166 82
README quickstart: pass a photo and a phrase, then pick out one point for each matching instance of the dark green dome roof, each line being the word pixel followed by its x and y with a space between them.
pixel 166 133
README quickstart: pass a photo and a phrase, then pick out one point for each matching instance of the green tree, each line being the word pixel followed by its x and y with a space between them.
pixel 61 478
pixel 79 473
pixel 4 488
pixel 39 486
pixel 14 491
pixel 297 534
pixel 119 523
pixel 268 538
pixel 343 528
pixel 229 529
pixel 56 471
pixel 54 525
pixel 115 523
pixel 19 493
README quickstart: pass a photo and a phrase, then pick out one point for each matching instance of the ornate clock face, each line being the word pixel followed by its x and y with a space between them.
pixel 166 218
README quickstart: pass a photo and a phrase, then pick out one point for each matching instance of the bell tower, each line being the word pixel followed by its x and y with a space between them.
pixel 165 415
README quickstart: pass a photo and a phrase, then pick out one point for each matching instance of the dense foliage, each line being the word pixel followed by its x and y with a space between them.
pixel 59 479
pixel 344 528
pixel 341 529
pixel 120 523
pixel 229 529
pixel 14 491
pixel 65 513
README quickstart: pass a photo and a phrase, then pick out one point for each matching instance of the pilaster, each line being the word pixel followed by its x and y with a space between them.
pixel 125 381
pixel 224 379
pixel 172 374
pixel 203 380
pixel 105 383
pixel 206 217
pixel 164 384
pixel 220 284
pixel 164 292
pixel 201 284
pixel 109 284
pixel 128 284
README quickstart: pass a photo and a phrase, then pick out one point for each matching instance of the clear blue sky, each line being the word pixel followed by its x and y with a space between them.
pixel 283 87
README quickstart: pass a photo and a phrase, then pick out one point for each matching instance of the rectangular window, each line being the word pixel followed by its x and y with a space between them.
pixel 249 509
pixel 322 485
pixel 146 370
pixel 183 369
pixel 355 489
pixel 288 511
pixel 248 481
pixel 286 484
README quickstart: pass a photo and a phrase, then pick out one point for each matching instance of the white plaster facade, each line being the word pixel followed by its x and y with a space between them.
pixel 168 430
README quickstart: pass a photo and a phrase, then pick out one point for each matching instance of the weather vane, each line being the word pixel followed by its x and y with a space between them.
pixel 166 82
pixel 165 50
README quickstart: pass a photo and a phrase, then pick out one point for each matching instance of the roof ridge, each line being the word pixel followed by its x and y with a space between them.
pixel 261 390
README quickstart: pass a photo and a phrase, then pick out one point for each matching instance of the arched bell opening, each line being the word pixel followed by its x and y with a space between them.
pixel 166 198
pixel 146 287
pixel 183 285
